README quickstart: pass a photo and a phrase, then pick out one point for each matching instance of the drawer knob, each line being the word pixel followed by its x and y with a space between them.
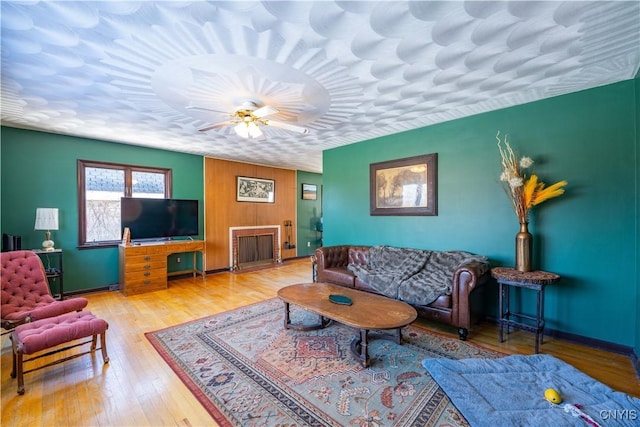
pixel 147 258
pixel 147 266
pixel 146 282
pixel 147 274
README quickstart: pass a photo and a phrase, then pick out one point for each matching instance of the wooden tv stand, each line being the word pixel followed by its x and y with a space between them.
pixel 143 267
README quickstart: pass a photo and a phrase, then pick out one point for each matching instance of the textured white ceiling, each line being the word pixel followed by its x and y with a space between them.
pixel 126 71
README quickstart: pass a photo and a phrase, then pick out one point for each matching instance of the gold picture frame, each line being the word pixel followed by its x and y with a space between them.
pixel 405 186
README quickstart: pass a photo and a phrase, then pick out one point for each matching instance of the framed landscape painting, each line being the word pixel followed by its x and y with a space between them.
pixel 405 186
pixel 309 192
pixel 256 190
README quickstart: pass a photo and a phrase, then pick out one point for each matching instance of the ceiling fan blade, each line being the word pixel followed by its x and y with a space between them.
pixel 287 126
pixel 192 107
pixel 218 125
pixel 267 110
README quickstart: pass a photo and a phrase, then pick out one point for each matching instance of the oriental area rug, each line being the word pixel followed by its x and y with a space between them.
pixel 247 370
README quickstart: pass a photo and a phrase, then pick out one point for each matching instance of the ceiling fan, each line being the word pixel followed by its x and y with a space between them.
pixel 248 118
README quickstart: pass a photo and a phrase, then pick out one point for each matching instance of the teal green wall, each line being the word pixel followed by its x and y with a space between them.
pixel 588 235
pixel 637 230
pixel 309 213
pixel 39 170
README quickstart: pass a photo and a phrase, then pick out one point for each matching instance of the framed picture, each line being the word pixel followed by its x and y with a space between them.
pixel 405 186
pixel 256 190
pixel 309 192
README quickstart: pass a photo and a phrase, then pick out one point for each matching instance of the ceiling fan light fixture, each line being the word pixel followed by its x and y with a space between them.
pixel 254 130
pixel 247 121
pixel 248 129
pixel 242 130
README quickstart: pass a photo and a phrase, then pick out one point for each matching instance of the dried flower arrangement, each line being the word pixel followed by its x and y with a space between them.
pixel 524 192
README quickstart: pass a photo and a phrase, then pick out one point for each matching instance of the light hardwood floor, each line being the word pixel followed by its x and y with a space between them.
pixel 138 389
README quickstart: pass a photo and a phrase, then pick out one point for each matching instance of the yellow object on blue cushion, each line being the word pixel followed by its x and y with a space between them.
pixel 552 396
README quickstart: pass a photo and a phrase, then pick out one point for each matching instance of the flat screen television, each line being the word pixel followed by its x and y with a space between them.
pixel 159 219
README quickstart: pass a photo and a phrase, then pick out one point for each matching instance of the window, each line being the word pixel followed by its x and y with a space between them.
pixel 100 188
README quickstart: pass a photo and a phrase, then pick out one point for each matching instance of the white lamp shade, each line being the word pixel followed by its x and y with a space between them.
pixel 46 219
pixel 254 130
pixel 248 129
pixel 242 130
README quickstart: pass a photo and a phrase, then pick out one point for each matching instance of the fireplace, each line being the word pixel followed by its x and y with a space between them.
pixel 256 249
pixel 254 246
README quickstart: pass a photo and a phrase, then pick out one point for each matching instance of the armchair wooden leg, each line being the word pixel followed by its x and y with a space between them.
pixel 20 372
pixel 17 369
pixel 103 347
pixel 13 359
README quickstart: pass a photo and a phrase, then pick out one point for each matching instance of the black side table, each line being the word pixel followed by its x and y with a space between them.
pixel 535 280
pixel 53 273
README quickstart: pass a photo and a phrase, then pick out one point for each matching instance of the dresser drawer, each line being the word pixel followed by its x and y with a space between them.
pixel 145 274
pixel 184 246
pixel 145 249
pixel 134 250
pixel 175 248
pixel 156 249
pixel 144 281
pixel 196 246
pixel 145 262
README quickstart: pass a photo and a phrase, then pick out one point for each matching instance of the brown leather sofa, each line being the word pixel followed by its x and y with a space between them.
pixel 330 265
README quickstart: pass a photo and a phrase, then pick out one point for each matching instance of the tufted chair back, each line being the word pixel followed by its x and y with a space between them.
pixel 25 291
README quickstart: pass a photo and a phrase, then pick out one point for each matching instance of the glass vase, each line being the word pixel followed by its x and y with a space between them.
pixel 523 248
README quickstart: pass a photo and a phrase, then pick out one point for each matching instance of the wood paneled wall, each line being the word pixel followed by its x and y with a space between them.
pixel 223 211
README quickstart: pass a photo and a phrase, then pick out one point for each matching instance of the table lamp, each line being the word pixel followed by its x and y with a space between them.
pixel 47 219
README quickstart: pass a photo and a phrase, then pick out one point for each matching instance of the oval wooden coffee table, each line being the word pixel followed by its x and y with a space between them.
pixel 367 312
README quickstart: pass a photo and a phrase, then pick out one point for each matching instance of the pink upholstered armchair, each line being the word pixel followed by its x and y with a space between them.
pixel 25 291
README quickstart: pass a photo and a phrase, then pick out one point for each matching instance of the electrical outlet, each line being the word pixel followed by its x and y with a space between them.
pixel 308 244
pixel 178 260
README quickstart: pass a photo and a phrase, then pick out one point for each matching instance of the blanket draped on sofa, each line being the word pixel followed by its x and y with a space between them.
pixel 414 276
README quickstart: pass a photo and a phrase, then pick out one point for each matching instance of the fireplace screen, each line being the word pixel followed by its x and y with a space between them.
pixel 255 249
